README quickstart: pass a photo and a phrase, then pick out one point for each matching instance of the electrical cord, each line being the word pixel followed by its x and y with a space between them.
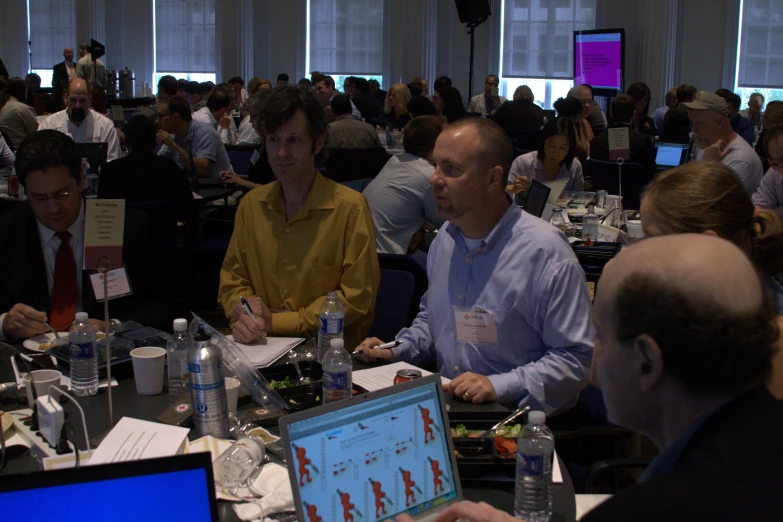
pixel 73 440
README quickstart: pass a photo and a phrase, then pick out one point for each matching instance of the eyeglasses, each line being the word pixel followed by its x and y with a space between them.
pixel 58 196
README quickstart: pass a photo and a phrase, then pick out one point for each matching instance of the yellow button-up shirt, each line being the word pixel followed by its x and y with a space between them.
pixel 328 245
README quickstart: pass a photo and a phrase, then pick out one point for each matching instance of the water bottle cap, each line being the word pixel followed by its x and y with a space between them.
pixel 180 325
pixel 536 417
pixel 331 295
pixel 336 343
pixel 81 316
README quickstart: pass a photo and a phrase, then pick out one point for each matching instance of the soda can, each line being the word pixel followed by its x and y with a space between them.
pixel 13 185
pixel 406 376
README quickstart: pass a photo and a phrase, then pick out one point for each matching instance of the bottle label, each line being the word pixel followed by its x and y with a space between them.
pixel 336 385
pixel 194 368
pixel 332 326
pixel 83 350
pixel 533 465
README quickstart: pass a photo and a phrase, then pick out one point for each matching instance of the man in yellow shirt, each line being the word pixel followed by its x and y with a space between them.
pixel 300 237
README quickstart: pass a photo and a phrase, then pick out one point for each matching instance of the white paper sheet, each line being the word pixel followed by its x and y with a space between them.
pixel 374 379
pixel 265 353
pixel 134 439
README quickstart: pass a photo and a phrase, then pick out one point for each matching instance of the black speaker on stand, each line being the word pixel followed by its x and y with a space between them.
pixel 473 13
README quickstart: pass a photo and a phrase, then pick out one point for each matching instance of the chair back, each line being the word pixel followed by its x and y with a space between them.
pixel 240 158
pixel 403 283
pixel 352 164
pixel 524 139
pixel 604 175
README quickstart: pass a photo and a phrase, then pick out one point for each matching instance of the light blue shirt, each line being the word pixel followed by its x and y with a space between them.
pixel 658 116
pixel 526 274
pixel 203 142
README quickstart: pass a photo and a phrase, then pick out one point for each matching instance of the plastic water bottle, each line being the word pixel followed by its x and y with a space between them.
pixel 533 495
pixel 233 467
pixel 337 367
pixel 177 348
pixel 590 226
pixel 84 356
pixel 332 318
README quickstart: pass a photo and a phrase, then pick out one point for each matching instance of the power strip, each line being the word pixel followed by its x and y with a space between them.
pixel 39 448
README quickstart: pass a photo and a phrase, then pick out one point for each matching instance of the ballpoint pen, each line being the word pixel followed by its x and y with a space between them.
pixel 246 306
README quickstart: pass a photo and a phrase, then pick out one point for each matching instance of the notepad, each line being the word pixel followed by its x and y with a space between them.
pixel 135 439
pixel 381 377
pixel 264 353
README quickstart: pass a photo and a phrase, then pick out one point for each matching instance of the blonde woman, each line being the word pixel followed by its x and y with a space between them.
pixel 396 107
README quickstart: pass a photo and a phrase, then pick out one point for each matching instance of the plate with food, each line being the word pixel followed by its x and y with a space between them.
pixel 42 342
pixel 288 382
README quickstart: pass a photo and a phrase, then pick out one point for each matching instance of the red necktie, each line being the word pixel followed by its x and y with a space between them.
pixel 64 290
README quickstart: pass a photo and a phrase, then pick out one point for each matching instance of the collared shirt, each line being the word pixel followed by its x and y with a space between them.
pixel 530 166
pixel 743 160
pixel 246 134
pixel 50 244
pixel 401 199
pixel 95 128
pixel 770 192
pixel 202 142
pixel 347 133
pixel 658 116
pixel 71 70
pixel 18 120
pixel 198 105
pixel 479 104
pixel 328 245
pixel 227 136
pixel 526 274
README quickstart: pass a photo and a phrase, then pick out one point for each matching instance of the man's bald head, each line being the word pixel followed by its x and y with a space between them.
pixel 78 87
pixel 493 147
pixel 712 321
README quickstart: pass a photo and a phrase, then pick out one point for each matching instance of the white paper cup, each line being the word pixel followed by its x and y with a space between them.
pixel 232 394
pixel 148 363
pixel 43 379
pixel 634 227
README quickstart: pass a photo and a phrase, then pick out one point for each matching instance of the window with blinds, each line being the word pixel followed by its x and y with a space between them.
pixel 185 37
pixel 346 37
pixel 760 55
pixel 52 29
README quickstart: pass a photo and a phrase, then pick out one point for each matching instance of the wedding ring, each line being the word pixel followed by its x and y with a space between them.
pixel 466 396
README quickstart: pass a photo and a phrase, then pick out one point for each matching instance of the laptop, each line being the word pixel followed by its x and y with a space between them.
pixel 96 153
pixel 170 488
pixel 670 154
pixel 537 198
pixel 373 456
pixel 557 187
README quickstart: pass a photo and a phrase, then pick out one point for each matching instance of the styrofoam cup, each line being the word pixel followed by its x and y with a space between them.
pixel 43 379
pixel 232 394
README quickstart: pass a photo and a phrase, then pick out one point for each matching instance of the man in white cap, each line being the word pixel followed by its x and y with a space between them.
pixel 716 141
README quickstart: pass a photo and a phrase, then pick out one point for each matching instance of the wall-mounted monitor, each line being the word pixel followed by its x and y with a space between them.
pixel 599 60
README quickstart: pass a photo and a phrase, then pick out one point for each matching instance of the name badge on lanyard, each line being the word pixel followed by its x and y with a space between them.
pixel 475 326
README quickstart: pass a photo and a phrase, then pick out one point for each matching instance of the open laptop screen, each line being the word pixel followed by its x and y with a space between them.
pixel 158 489
pixel 375 459
pixel 670 155
pixel 537 197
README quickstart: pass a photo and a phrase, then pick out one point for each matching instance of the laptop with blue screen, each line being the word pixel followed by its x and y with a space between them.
pixel 373 456
pixel 670 154
pixel 171 488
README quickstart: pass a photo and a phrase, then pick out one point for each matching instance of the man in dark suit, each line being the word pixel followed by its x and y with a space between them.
pixel 63 72
pixel 642 148
pixel 368 105
pixel 683 358
pixel 42 245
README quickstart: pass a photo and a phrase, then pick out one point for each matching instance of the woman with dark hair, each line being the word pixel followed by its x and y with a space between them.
pixel 575 110
pixel 448 103
pixel 17 120
pixel 641 94
pixel 421 106
pixel 554 159
pixel 708 198
pixel 32 83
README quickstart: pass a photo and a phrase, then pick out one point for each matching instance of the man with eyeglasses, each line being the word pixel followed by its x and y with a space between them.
pixel 81 123
pixel 488 101
pixel 43 243
pixel 770 192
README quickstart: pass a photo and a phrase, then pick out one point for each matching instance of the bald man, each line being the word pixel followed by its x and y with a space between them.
pixel 682 357
pixel 81 123
pixel 64 71
pixel 506 315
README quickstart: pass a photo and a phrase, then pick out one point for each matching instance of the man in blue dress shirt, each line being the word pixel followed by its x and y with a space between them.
pixel 507 316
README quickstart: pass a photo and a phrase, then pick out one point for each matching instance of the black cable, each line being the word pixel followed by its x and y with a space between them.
pixel 73 441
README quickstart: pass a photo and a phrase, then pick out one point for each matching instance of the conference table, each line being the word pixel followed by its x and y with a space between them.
pixel 126 402
pixel 213 192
